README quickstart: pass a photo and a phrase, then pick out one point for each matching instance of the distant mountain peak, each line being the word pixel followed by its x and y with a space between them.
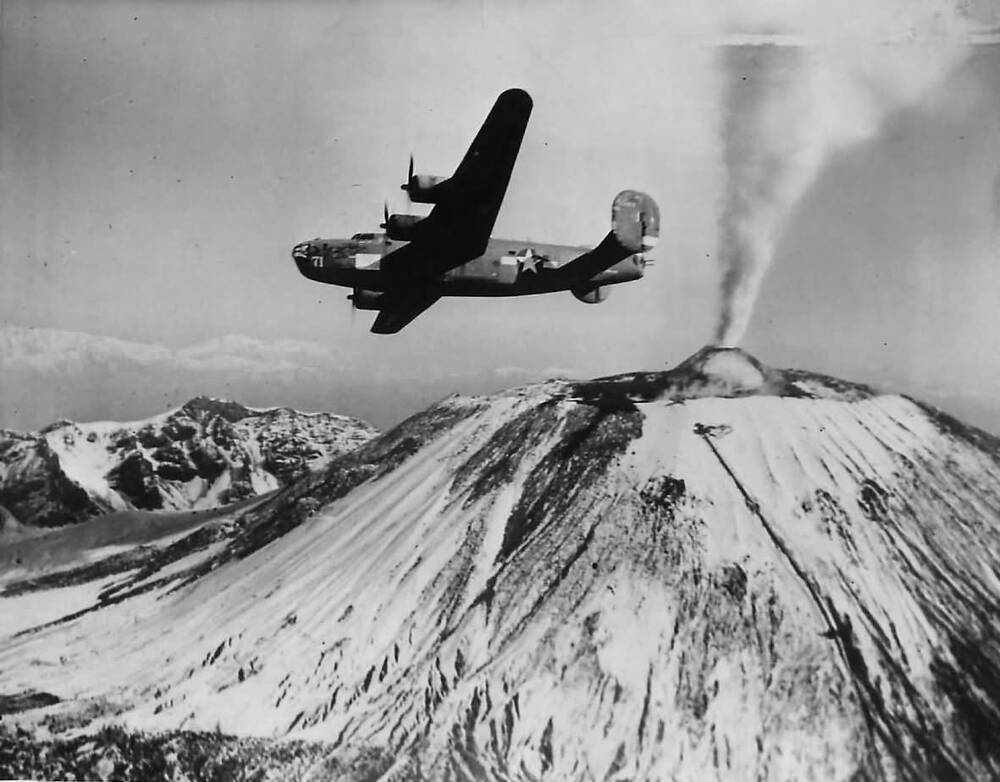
pixel 207 453
pixel 59 423
pixel 203 407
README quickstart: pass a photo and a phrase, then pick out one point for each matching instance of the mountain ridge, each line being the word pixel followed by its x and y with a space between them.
pixel 204 453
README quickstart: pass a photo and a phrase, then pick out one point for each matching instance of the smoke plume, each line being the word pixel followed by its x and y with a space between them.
pixel 787 104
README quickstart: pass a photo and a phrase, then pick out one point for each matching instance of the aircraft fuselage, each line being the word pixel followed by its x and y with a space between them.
pixel 506 268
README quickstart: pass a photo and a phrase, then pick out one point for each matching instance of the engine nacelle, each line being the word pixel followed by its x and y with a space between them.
pixel 367 300
pixel 401 227
pixel 424 188
pixel 591 295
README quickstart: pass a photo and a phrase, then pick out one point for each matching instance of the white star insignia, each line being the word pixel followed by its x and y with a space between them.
pixel 529 262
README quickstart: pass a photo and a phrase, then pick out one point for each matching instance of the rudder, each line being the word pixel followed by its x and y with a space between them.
pixel 635 221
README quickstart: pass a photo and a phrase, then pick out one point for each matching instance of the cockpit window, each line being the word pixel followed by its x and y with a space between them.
pixel 363 237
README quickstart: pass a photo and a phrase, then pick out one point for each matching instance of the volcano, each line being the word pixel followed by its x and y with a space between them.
pixel 721 571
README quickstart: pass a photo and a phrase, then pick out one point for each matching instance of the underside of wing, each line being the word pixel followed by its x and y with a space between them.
pixel 410 262
pixel 466 205
pixel 401 311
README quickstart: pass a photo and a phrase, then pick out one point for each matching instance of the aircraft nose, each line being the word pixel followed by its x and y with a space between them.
pixel 300 251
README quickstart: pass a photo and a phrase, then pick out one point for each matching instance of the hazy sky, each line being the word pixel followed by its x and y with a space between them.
pixel 159 160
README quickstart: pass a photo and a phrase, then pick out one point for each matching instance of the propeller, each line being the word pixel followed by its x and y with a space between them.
pixel 409 177
pixel 385 222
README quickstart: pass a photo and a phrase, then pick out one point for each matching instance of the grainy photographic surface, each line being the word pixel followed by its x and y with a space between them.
pixel 720 499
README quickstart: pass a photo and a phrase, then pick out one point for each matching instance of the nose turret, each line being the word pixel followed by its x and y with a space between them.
pixel 301 251
pixel 324 259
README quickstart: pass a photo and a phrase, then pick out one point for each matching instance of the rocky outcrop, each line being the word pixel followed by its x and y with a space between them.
pixel 33 487
pixel 205 454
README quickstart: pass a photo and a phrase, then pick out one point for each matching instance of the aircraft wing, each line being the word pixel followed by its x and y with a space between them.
pixel 459 226
pixel 403 309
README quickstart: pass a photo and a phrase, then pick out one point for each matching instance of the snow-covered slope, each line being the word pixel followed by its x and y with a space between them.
pixel 205 454
pixel 719 572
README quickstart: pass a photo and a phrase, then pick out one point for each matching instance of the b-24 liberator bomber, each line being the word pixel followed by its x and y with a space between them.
pixel 417 260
